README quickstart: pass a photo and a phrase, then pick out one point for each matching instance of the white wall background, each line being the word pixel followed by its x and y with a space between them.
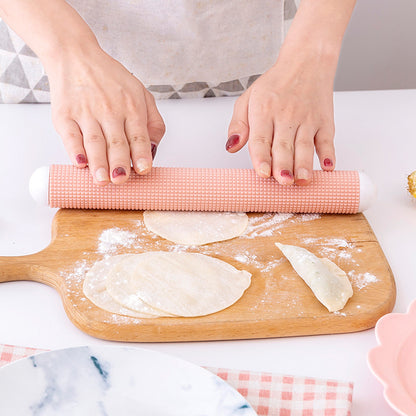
pixel 379 50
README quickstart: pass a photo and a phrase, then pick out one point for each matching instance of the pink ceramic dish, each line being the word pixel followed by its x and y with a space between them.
pixel 393 362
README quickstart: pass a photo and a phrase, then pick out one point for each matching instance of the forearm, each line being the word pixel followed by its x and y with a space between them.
pixel 51 28
pixel 317 31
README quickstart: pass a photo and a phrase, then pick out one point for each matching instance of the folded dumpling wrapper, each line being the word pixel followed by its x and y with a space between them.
pixel 328 282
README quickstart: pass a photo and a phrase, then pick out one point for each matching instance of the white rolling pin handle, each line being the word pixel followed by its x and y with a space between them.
pixel 368 192
pixel 39 185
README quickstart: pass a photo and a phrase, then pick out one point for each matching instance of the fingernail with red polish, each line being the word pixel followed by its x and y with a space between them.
pixel 81 159
pixel 286 174
pixel 119 172
pixel 154 149
pixel 232 141
pixel 328 162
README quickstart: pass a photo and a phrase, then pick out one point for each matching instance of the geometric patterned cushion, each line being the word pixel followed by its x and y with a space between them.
pixel 23 78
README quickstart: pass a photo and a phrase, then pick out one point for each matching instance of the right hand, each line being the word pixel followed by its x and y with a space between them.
pixel 104 114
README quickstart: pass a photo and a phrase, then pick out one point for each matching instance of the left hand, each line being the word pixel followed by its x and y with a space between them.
pixel 284 115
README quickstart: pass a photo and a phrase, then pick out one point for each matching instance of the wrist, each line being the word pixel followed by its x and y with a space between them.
pixel 315 36
pixel 69 50
pixel 316 57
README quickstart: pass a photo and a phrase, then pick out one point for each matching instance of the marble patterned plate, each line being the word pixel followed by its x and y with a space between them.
pixel 393 361
pixel 107 381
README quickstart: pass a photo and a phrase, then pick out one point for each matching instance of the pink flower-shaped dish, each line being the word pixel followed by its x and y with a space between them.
pixel 393 362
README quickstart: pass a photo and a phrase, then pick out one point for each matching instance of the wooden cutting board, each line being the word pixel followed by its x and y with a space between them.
pixel 278 303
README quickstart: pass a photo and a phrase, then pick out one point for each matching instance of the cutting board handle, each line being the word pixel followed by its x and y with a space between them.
pixel 16 268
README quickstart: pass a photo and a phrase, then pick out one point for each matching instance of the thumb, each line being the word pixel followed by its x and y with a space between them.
pixel 155 124
pixel 238 128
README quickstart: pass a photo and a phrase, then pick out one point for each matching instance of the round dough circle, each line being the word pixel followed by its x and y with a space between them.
pixel 196 228
pixel 95 290
pixel 183 284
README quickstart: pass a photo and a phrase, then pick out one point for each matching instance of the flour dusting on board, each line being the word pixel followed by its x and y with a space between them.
pixel 247 257
pixel 269 224
pixel 77 273
pixel 331 248
pixel 75 276
pixel 361 280
pixel 114 238
pixel 266 225
pixel 309 217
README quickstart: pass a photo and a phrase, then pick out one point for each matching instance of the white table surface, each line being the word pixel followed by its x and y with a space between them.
pixel 375 132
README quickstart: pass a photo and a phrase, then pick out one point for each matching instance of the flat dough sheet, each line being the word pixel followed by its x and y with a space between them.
pixel 196 228
pixel 183 284
pixel 96 291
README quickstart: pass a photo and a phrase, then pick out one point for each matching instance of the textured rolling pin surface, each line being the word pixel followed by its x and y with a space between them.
pixel 200 189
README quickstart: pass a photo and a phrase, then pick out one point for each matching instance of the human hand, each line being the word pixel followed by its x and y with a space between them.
pixel 105 116
pixel 288 111
pixel 103 113
pixel 284 115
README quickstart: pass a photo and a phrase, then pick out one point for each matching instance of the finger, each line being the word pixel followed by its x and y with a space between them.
pixel 304 148
pixel 95 147
pixel 118 150
pixel 325 149
pixel 139 141
pixel 260 140
pixel 283 153
pixel 155 124
pixel 71 136
pixel 238 129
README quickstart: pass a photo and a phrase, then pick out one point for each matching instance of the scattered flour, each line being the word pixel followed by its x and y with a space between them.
pixel 272 264
pixel 113 238
pixel 242 258
pixel 344 255
pixel 77 273
pixel 265 225
pixel 181 247
pixel 337 242
pixel 252 259
pixel 331 247
pixel 75 277
pixel 339 313
pixel 309 217
pixel 361 280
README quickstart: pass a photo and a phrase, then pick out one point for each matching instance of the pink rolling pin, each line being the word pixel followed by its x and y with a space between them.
pixel 200 189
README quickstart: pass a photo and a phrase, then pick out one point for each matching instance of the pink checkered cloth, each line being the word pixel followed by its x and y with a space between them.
pixel 269 394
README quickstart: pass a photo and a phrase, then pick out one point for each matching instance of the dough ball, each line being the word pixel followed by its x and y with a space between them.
pixel 195 228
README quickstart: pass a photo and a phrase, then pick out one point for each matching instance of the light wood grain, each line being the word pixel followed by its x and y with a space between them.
pixel 278 303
